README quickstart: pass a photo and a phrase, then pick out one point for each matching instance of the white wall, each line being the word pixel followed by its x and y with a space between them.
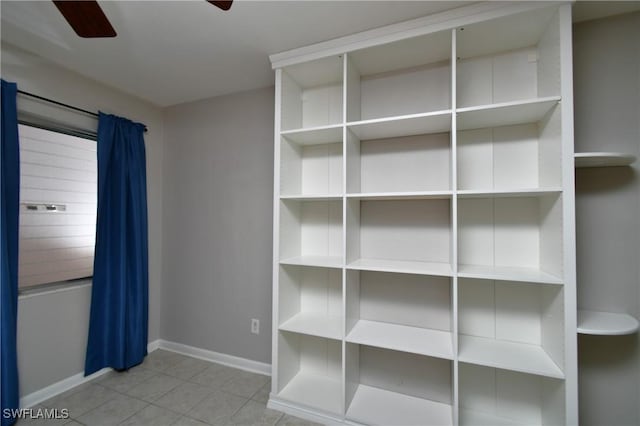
pixel 217 223
pixel 607 118
pixel 52 327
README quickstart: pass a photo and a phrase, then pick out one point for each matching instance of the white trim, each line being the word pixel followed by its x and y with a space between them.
pixel 217 357
pixel 64 385
pixel 57 388
pixel 152 346
pixel 446 20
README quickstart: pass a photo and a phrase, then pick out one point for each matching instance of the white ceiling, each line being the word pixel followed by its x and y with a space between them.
pixel 170 52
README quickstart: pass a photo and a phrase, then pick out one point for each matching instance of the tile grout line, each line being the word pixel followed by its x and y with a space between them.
pixel 125 419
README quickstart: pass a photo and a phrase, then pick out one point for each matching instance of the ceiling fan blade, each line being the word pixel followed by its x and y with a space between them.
pixel 224 5
pixel 86 18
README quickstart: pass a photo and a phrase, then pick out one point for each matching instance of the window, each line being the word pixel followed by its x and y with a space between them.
pixel 58 200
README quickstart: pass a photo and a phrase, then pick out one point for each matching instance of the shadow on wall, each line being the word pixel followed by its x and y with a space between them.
pixel 606 180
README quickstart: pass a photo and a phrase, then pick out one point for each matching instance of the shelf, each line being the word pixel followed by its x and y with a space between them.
pixel 505 114
pixel 403 338
pixel 522 158
pixel 513 356
pixel 496 36
pixel 314 324
pixel 603 159
pixel 419 164
pixel 402 266
pixel 406 54
pixel 479 418
pixel 514 238
pixel 315 135
pixel 406 77
pixel 312 197
pixel 311 232
pixel 407 125
pixel 376 406
pixel 311 95
pixel 315 391
pixel 504 193
pixel 606 323
pixel 414 195
pixel 322 261
pixel 310 170
pixel 495 397
pixel 506 273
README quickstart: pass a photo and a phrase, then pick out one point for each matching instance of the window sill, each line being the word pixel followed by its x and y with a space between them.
pixel 51 288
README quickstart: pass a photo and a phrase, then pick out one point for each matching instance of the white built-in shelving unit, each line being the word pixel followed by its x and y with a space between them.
pixel 424 261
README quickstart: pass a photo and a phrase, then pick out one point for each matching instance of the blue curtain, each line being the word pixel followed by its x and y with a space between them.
pixel 9 205
pixel 118 325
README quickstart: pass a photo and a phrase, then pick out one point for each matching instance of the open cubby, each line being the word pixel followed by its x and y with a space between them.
pixel 511 325
pixel 411 164
pixel 312 94
pixel 496 397
pixel 310 371
pixel 511 238
pixel 406 77
pixel 390 387
pixel 412 236
pixel 311 232
pixel 525 156
pixel 311 166
pixel 508 59
pixel 311 301
pixel 404 312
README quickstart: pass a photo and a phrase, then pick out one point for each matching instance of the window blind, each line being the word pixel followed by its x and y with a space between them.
pixel 56 243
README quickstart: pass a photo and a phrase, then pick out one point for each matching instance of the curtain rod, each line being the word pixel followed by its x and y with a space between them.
pixel 51 101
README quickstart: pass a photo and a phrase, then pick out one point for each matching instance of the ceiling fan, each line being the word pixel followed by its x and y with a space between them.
pixel 89 21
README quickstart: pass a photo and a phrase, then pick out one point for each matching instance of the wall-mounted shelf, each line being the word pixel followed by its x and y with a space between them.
pixel 606 323
pixel 603 159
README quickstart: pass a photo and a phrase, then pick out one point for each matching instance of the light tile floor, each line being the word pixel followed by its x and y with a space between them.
pixel 170 389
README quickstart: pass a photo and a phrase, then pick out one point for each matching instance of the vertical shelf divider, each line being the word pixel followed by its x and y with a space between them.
pixel 568 220
pixel 345 113
pixel 276 234
pixel 454 227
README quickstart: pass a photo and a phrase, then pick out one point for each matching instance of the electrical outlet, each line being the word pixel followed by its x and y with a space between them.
pixel 255 326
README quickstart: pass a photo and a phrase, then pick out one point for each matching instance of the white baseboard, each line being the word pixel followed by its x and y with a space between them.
pixel 217 357
pixel 64 385
pixel 152 346
pixel 57 388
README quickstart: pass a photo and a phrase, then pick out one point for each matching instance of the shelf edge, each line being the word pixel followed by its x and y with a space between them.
pixel 619 324
pixel 603 159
